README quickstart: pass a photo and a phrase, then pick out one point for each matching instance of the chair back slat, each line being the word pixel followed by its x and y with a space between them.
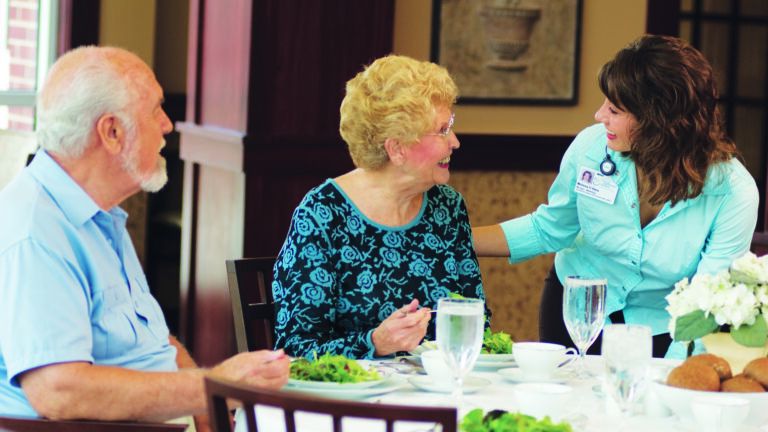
pixel 250 290
pixel 219 405
pixel 250 418
pixel 290 420
pixel 290 402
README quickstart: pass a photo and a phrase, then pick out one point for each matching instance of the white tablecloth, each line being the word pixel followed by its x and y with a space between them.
pixel 589 410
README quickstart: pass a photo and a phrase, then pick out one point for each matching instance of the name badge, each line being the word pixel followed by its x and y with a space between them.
pixel 594 184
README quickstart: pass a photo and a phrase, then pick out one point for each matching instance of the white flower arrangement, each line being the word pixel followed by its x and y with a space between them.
pixel 736 298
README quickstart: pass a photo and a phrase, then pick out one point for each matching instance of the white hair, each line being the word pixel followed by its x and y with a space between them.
pixel 83 85
pixel 156 179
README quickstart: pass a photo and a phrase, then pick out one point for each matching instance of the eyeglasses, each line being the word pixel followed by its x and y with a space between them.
pixel 446 131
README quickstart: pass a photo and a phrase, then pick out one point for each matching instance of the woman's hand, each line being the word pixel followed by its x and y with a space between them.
pixel 401 331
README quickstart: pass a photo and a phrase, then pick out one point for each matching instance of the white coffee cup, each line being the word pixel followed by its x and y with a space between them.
pixel 720 413
pixel 543 399
pixel 541 359
pixel 436 367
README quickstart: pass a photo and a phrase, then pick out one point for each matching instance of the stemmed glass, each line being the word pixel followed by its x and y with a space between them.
pixel 584 315
pixel 460 337
pixel 627 352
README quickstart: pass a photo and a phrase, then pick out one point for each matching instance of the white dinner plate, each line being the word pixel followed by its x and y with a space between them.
pixel 325 385
pixel 384 386
pixel 498 358
pixel 517 375
pixel 471 384
pixel 492 366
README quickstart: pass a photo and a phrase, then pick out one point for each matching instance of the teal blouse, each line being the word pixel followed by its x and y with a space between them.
pixel 594 238
pixel 339 274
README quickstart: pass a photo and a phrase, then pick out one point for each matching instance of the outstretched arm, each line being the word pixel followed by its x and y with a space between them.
pixel 489 241
pixel 81 390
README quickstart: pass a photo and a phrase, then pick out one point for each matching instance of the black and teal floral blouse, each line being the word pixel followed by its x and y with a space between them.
pixel 339 274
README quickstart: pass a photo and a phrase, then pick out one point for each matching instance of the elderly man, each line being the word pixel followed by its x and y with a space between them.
pixel 80 335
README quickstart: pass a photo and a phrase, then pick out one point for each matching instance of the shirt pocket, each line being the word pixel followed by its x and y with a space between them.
pixel 600 223
pixel 149 310
pixel 114 330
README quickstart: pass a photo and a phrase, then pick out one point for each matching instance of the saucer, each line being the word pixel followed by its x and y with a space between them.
pixel 471 384
pixel 516 375
pixel 492 366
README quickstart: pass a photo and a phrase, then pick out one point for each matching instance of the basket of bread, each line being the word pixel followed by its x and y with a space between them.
pixel 706 376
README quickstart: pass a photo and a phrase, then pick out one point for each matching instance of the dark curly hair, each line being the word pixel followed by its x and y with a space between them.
pixel 669 87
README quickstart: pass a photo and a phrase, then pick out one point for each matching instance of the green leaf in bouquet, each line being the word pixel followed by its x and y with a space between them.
pixel 694 325
pixel 754 335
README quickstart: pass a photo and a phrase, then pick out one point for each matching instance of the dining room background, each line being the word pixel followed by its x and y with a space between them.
pixel 254 88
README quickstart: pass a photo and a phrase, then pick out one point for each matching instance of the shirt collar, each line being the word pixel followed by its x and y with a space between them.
pixel 715 184
pixel 74 202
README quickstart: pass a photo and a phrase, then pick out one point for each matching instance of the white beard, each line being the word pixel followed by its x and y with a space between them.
pixel 149 183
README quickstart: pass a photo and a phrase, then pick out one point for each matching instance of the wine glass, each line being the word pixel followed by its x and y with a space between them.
pixel 460 337
pixel 584 315
pixel 627 352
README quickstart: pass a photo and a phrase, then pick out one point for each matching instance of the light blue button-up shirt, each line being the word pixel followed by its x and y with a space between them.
pixel 593 238
pixel 71 286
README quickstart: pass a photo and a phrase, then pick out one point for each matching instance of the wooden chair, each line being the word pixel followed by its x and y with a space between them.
pixel 250 290
pixel 217 392
pixel 12 424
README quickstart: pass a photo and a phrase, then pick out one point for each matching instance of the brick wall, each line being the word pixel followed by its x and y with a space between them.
pixel 22 48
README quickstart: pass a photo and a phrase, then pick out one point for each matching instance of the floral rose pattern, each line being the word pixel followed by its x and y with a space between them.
pixel 339 274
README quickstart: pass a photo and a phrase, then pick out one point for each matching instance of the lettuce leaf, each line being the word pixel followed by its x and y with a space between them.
pixel 503 421
pixel 331 368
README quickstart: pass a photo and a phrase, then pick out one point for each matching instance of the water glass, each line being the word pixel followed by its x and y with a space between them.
pixel 460 336
pixel 627 350
pixel 583 314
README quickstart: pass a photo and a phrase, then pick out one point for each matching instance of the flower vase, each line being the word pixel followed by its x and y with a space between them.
pixel 737 355
pixel 507 26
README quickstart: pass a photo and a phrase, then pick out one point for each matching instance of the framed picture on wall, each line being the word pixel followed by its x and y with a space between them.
pixel 509 51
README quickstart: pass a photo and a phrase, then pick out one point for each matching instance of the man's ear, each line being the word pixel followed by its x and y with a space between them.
pixel 395 150
pixel 111 133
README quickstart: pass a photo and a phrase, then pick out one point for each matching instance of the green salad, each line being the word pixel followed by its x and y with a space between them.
pixel 496 343
pixel 332 368
pixel 493 343
pixel 503 421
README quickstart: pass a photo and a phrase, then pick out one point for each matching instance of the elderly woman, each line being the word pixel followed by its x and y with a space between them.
pixel 368 253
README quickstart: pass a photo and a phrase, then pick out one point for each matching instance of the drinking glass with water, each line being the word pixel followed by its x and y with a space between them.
pixel 584 315
pixel 460 336
pixel 627 353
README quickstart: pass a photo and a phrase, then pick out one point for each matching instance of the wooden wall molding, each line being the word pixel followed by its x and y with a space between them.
pixel 510 152
pixel 211 146
pixel 78 24
pixel 281 156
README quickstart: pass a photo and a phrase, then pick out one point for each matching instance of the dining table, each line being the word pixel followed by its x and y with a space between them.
pixel 590 408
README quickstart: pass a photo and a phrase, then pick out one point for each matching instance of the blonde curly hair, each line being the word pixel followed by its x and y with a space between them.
pixel 394 97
